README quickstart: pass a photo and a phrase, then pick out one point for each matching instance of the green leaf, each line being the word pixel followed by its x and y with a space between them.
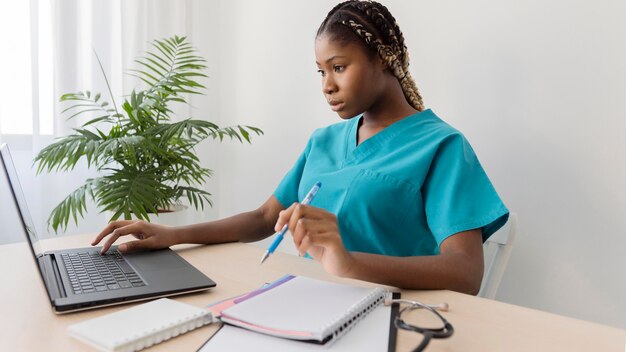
pixel 73 205
pixel 106 118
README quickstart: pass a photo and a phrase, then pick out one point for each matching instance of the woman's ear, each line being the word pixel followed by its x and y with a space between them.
pixel 384 65
pixel 385 55
pixel 380 63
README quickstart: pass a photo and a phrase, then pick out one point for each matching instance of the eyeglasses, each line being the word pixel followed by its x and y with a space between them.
pixel 446 330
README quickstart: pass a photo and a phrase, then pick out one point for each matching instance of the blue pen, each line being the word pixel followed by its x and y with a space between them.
pixel 281 233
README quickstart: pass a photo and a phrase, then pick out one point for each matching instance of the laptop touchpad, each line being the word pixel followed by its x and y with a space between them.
pixel 159 260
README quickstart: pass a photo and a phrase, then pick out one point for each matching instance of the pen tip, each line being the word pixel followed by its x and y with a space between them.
pixel 265 255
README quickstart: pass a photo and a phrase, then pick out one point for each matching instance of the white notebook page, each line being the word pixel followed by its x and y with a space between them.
pixel 300 304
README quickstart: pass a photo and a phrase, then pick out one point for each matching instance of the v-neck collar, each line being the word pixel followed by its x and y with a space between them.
pixel 375 142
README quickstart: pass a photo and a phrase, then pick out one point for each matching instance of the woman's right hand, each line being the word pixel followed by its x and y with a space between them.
pixel 149 236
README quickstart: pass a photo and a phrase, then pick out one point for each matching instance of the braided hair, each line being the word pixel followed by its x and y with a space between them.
pixel 379 34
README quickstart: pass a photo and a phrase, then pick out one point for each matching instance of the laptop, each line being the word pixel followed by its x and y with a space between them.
pixel 80 279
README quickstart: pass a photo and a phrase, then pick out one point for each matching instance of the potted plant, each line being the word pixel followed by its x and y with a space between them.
pixel 145 161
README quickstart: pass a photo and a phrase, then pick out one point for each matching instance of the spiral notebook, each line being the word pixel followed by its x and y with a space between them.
pixel 374 333
pixel 302 308
pixel 141 326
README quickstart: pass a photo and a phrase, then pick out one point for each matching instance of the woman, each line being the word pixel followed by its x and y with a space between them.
pixel 404 201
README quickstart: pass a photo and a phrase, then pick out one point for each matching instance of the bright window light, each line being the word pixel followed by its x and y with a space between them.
pixel 46 98
pixel 17 116
pixel 16 112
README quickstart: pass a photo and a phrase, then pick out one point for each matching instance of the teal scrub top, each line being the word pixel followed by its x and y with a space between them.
pixel 401 192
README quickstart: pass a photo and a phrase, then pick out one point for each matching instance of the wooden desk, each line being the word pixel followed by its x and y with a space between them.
pixel 27 322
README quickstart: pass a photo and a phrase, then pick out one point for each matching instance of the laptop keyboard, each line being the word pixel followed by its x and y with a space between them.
pixel 93 272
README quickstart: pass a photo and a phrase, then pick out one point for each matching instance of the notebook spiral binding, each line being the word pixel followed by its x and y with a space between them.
pixel 340 325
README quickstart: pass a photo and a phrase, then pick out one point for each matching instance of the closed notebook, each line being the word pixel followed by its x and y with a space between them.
pixel 141 326
pixel 302 308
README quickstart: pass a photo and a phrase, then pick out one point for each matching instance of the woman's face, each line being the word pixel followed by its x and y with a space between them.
pixel 351 82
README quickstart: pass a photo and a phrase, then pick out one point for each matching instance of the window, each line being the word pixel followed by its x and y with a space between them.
pixel 27 68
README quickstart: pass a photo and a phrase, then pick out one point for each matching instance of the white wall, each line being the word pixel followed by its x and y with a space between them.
pixel 536 86
pixel 268 78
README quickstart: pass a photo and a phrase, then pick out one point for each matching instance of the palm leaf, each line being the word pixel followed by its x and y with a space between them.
pixel 128 190
pixel 73 205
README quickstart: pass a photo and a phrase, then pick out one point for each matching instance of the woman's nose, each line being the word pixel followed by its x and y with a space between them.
pixel 328 85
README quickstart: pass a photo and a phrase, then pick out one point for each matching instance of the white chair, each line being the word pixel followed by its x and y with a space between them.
pixel 497 250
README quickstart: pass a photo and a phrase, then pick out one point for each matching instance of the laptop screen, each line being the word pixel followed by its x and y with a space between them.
pixel 10 188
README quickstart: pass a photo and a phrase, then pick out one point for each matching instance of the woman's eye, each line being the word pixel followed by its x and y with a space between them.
pixel 339 68
pixel 321 72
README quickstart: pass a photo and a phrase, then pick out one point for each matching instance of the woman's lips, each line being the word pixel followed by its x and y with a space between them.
pixel 336 105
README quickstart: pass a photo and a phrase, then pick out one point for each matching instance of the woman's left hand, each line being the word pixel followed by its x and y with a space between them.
pixel 316 231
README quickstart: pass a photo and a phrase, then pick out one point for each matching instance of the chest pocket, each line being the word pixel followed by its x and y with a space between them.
pixel 379 213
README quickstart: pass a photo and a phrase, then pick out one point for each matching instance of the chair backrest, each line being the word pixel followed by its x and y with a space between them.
pixel 497 250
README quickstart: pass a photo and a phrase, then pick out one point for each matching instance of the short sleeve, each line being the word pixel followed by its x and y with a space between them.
pixel 458 195
pixel 287 190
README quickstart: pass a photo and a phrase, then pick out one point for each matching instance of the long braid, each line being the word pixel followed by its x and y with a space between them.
pixel 406 80
pixel 374 24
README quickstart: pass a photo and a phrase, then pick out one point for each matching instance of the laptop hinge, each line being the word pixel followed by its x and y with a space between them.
pixel 52 276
